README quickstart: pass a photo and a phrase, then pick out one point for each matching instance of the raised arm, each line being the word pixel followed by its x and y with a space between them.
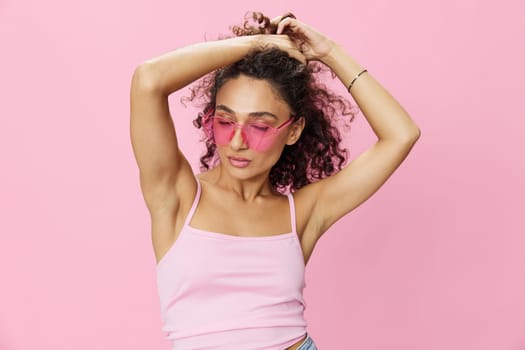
pixel 397 133
pixel 165 174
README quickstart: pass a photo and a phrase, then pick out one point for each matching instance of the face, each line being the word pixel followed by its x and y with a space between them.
pixel 251 126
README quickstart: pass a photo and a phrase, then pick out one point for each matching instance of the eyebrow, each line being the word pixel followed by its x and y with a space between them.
pixel 252 114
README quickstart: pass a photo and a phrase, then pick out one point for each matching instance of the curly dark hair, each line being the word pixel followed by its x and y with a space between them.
pixel 318 153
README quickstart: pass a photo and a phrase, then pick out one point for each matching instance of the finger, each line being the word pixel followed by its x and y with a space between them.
pixel 288 14
pixel 276 20
pixel 298 55
pixel 302 58
pixel 287 22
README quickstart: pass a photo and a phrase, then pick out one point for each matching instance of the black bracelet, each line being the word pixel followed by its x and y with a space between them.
pixel 357 76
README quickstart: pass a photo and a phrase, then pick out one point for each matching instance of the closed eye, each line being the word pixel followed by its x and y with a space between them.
pixel 259 126
pixel 223 121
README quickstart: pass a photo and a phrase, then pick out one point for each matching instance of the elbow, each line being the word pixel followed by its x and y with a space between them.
pixel 416 134
pixel 412 136
pixel 144 78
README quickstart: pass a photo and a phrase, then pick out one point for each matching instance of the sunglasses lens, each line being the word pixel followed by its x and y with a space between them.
pixel 258 136
pixel 223 130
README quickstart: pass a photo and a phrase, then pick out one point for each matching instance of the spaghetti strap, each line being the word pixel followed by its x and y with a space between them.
pixel 292 211
pixel 195 202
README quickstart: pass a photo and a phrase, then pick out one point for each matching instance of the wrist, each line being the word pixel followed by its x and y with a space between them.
pixel 329 54
pixel 258 41
pixel 335 53
pixel 344 66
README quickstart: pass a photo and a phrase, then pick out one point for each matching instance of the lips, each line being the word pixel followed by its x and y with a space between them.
pixel 239 162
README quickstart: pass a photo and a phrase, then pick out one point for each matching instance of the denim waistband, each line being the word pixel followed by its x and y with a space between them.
pixel 307 344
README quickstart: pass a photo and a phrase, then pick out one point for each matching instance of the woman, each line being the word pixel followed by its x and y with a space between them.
pixel 230 247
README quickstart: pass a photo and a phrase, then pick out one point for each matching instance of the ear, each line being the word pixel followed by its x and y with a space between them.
pixel 295 132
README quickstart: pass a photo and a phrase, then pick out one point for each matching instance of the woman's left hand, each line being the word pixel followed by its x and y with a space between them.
pixel 313 45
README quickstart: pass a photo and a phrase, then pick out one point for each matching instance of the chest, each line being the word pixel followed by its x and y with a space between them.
pixel 240 219
pixel 211 261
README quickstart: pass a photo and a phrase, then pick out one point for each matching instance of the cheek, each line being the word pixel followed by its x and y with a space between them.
pixel 275 149
pixel 266 144
pixel 270 157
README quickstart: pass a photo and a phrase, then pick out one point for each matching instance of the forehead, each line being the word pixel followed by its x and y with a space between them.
pixel 246 95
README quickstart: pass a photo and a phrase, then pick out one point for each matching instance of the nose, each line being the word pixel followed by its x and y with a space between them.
pixel 237 141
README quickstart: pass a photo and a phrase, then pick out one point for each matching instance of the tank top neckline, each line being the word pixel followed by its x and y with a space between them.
pixel 214 234
pixel 221 235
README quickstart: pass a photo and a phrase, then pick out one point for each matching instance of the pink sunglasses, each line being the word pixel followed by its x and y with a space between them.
pixel 258 136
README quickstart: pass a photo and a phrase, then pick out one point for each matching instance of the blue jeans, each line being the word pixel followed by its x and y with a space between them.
pixel 307 344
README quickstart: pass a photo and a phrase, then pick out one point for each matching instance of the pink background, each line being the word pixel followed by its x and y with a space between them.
pixel 434 260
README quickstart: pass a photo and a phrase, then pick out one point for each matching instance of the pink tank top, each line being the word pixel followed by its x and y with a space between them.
pixel 225 292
